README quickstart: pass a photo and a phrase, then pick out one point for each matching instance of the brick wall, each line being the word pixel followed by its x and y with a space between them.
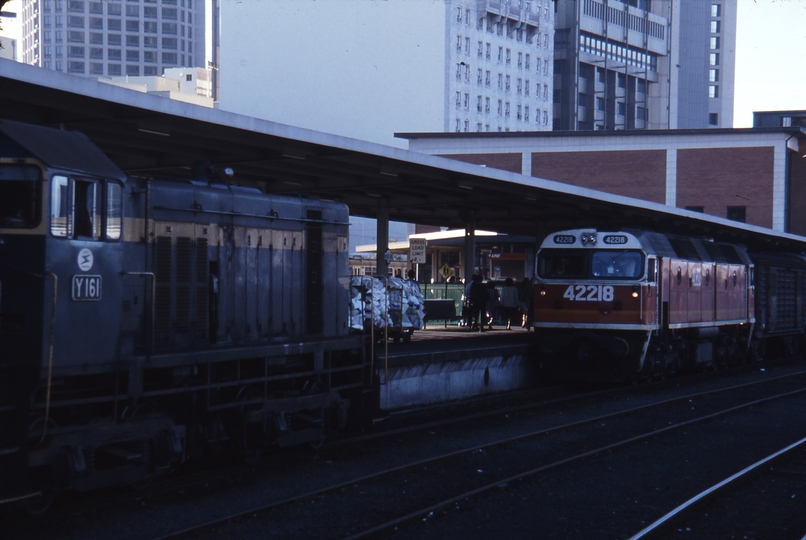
pixel 716 178
pixel 797 194
pixel 632 173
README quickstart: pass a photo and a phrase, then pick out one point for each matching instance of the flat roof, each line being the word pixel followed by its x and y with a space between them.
pixel 150 136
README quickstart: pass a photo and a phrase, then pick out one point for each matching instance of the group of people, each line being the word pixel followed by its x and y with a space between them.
pixel 483 303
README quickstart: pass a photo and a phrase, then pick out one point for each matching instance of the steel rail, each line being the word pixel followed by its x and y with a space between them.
pixel 661 524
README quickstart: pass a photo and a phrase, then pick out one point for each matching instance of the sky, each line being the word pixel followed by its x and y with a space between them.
pixel 770 56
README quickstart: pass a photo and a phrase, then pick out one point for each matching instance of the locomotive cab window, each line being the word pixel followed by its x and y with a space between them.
pixel 617 264
pixel 561 263
pixel 78 209
pixel 20 196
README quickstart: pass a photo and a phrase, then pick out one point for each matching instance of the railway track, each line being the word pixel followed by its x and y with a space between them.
pixel 424 487
pixel 558 416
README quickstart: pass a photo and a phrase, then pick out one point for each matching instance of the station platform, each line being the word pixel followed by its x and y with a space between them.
pixel 442 364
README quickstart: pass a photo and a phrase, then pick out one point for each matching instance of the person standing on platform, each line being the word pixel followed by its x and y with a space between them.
pixel 509 302
pixel 527 303
pixel 492 303
pixel 479 296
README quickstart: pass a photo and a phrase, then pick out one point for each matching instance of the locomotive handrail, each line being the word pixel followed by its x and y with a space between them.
pixel 200 209
pixel 153 291
pixel 51 331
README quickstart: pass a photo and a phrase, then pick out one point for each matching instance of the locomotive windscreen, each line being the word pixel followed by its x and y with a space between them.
pixel 20 196
pixel 608 264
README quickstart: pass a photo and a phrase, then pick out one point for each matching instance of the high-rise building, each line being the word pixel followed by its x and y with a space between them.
pixel 644 64
pixel 113 37
pixel 368 69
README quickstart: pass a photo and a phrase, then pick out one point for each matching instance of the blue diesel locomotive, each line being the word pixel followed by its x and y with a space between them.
pixel 144 321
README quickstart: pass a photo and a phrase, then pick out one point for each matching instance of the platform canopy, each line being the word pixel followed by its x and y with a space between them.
pixel 147 135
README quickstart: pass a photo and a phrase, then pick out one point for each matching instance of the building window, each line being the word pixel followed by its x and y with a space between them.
pixel 132 26
pixel 713 75
pixel 713 91
pixel 458 43
pixel 507 84
pixel 527 63
pixel 132 56
pixel 714 57
pixel 716 10
pixel 714 42
pixel 113 54
pixel 467 101
pixel 600 104
pixel 478 77
pixel 520 114
pixel 169 58
pixel 481 49
pixel 737 213
pixel 150 42
pixel 478 103
pixel 96 69
pixel 526 87
pixel 487 105
pixel 640 113
pixel 500 54
pixel 133 71
pixel 500 81
pixel 713 119
pixel 526 113
pixel 132 41
pixel 487 78
pixel 132 10
pixel 113 70
pixel 506 109
pixel 714 27
pixel 695 208
pixel 621 108
pixel 467 45
pixel 169 43
pixel 458 99
pixel 500 107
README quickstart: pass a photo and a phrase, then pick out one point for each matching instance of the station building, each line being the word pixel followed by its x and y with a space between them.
pixel 754 175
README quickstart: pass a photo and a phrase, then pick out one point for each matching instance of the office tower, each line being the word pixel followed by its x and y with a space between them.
pixel 113 37
pixel 370 69
pixel 644 64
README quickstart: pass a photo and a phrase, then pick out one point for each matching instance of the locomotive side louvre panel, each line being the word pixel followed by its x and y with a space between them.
pixel 313 272
pixel 181 281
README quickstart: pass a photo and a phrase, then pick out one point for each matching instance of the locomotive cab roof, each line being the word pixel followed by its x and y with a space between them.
pixel 652 243
pixel 57 148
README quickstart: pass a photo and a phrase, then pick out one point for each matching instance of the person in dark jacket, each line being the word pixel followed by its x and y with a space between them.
pixel 479 295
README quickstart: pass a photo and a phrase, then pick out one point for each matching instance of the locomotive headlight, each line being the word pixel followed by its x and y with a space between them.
pixel 635 291
pixel 542 293
pixel 588 239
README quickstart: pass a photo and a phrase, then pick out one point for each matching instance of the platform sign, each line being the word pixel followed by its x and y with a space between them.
pixel 417 250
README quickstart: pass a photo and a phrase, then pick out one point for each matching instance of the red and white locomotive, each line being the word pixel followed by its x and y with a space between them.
pixel 631 304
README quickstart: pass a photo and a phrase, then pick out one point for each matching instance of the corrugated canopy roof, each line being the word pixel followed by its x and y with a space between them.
pixel 153 136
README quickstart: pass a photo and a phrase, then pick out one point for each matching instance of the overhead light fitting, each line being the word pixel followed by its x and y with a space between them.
pixel 389 172
pixel 293 155
pixel 463 186
pixel 153 132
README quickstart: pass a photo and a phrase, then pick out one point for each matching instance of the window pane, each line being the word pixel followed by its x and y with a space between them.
pixel 88 222
pixel 113 211
pixel 617 264
pixel 59 207
pixel 20 190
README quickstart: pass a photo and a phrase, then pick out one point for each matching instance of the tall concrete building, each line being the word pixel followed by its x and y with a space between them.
pixel 113 37
pixel 367 69
pixel 644 64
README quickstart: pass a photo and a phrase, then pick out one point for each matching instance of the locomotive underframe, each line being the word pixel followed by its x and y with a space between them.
pixel 168 408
